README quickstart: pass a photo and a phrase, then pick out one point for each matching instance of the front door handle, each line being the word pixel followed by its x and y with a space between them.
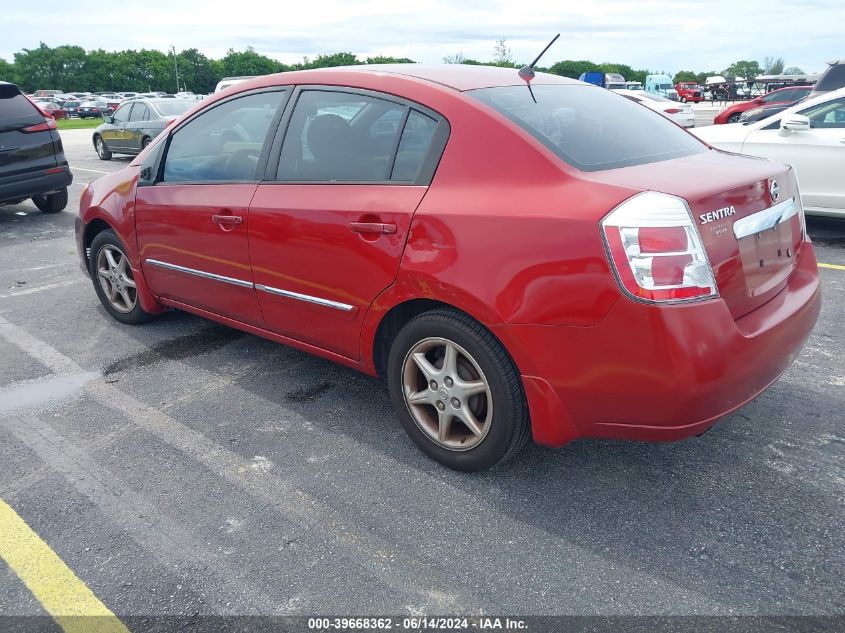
pixel 373 227
pixel 227 221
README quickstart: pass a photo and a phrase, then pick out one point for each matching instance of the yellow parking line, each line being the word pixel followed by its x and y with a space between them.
pixel 833 266
pixel 55 586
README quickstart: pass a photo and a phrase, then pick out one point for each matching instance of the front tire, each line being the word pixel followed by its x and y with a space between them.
pixel 51 203
pixel 144 142
pixel 113 279
pixel 734 118
pixel 102 149
pixel 457 392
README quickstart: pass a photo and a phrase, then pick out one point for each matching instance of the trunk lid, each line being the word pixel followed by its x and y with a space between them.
pixel 722 189
pixel 22 151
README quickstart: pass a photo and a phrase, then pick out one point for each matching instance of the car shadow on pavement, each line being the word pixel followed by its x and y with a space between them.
pixel 745 514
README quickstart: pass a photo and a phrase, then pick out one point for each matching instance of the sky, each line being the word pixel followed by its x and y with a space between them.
pixel 654 34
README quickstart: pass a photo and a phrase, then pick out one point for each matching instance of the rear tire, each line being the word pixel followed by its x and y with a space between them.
pixel 144 142
pixel 51 203
pixel 468 413
pixel 102 149
pixel 114 282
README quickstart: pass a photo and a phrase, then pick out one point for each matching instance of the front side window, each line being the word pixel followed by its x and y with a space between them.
pixel 224 142
pixel 340 137
pixel 591 128
pixel 827 115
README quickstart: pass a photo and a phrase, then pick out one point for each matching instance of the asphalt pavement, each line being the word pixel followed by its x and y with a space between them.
pixel 185 468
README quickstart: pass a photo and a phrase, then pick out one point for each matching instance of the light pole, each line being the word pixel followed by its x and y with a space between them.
pixel 175 66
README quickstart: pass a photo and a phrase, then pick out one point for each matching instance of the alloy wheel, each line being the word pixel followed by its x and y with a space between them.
pixel 447 394
pixel 115 277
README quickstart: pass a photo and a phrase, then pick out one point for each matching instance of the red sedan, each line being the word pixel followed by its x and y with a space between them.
pixel 781 96
pixel 574 266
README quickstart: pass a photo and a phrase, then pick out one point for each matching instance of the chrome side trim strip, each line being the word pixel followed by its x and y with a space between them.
pixel 200 273
pixel 345 307
pixel 766 219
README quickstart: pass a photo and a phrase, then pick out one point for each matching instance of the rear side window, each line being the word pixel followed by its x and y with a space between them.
pixel 16 110
pixel 413 146
pixel 224 142
pixel 140 113
pixel 590 128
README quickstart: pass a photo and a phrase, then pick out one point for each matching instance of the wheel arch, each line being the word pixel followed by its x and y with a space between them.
pixel 92 230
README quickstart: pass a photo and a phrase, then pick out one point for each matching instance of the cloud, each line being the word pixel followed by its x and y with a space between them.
pixel 656 34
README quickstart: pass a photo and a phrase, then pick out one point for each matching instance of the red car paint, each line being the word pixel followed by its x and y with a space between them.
pixel 507 233
pixel 786 96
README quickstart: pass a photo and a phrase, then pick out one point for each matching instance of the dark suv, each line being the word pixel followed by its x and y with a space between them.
pixel 32 161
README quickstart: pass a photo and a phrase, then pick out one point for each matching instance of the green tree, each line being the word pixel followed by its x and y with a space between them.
pixel 684 76
pixel 248 62
pixel 573 69
pixel 773 65
pixel 502 55
pixel 8 71
pixel 196 71
pixel 793 70
pixel 380 59
pixel 329 61
pixel 744 69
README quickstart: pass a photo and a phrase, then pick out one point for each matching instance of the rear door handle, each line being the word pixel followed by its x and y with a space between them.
pixel 372 227
pixel 227 220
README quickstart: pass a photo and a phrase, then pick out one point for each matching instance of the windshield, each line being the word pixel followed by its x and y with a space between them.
pixel 173 108
pixel 591 128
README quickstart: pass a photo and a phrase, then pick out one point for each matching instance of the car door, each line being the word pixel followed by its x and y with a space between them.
pixel 115 134
pixel 136 126
pixel 817 154
pixel 328 224
pixel 192 205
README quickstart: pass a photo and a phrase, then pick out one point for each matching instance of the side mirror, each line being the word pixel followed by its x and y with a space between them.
pixel 108 118
pixel 795 123
pixel 758 100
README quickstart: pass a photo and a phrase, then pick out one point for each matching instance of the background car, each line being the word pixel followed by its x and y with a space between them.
pixel 809 136
pixel 135 124
pixel 32 162
pixel 784 96
pixel 72 107
pixel 508 260
pixel 832 78
pixel 54 110
pixel 680 113
pixel 93 109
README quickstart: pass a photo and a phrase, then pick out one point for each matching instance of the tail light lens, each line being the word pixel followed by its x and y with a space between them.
pixel 673 111
pixel 49 124
pixel 656 251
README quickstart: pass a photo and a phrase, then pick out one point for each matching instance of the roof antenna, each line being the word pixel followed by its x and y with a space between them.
pixel 527 72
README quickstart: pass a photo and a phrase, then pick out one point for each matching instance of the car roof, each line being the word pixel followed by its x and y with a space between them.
pixel 457 76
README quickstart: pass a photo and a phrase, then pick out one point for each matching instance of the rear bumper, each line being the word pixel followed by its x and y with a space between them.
pixel 21 187
pixel 660 373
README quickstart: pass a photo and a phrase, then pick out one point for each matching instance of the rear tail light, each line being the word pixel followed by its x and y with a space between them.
pixel 49 124
pixel 656 251
pixel 673 111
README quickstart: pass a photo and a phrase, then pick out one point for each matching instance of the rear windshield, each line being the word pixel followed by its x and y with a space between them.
pixel 16 110
pixel 591 128
pixel 172 108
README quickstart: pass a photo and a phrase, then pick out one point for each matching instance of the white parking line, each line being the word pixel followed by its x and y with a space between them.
pixel 29 291
pixel 96 171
